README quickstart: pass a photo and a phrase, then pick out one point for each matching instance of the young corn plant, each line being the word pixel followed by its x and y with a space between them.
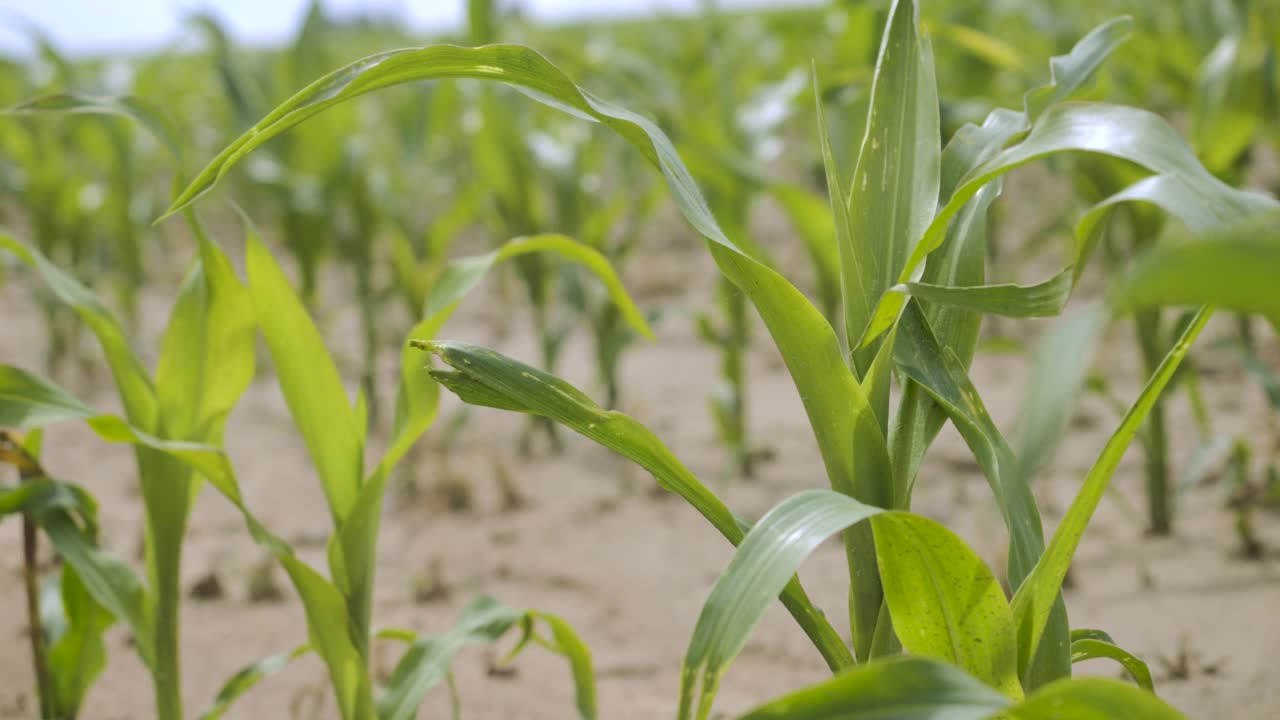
pixel 339 608
pixel 65 623
pixel 910 238
pixel 174 417
pixel 216 315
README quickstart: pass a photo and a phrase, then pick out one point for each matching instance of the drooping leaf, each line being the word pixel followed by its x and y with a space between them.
pixel 809 346
pixel 484 620
pixel 135 108
pixel 1123 132
pixel 30 401
pixel 1234 268
pixel 462 275
pixel 1093 644
pixel 248 676
pixel 515 385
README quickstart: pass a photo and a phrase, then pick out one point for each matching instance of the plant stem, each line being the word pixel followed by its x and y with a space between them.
pixel 31 579
pixel 1159 498
pixel 12 453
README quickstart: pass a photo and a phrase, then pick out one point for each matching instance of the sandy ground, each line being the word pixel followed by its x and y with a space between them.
pixel 630 568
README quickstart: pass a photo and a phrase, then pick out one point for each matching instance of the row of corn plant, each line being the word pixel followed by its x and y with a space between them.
pixel 910 234
pixel 207 355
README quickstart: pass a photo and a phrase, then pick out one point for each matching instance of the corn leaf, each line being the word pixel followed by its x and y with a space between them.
pixel 944 601
pixel 248 676
pixel 77 655
pixel 519 386
pixel 309 380
pixel 1034 600
pixel 973 145
pixel 763 564
pixel 30 401
pixel 812 220
pixel 131 378
pixel 1175 196
pixel 484 620
pixel 806 340
pixel 1235 268
pixel 1122 132
pixel 462 275
pixel 961 262
pixel 135 108
pixel 906 688
pixel 1092 699
pixel 1094 644
pixel 1010 300
pixel 938 371
pixel 1059 367
pixel 111 583
pixel 894 189
pixel 206 357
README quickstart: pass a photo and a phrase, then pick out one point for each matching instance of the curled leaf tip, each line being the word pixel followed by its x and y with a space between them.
pixel 423 345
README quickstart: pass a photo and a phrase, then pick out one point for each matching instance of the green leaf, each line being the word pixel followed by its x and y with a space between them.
pixel 328 631
pixel 246 678
pixel 462 275
pixel 1010 300
pixel 206 357
pixel 944 601
pixel 894 189
pixel 1122 132
pixel 427 660
pixel 1059 366
pixel 960 262
pixel 131 377
pixel 1235 268
pixel 565 641
pixel 806 340
pixel 1093 644
pixel 1069 72
pixel 812 220
pixel 134 108
pixel 517 386
pixel 37 495
pixel 28 400
pixel 309 380
pixel 1092 699
pixel 108 580
pixel 938 371
pixel 1034 600
pixel 78 655
pixel 1174 195
pixel 762 566
pixel 903 689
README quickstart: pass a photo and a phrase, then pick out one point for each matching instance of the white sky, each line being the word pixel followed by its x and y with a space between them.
pixel 87 26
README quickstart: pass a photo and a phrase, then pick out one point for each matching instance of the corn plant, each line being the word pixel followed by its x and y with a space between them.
pixel 65 624
pixel 339 609
pixel 910 237
pixel 174 418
